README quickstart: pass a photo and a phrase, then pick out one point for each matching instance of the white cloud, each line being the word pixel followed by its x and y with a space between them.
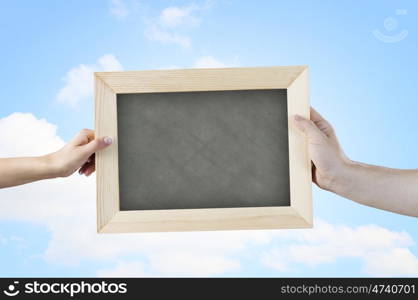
pixel 155 33
pixel 30 130
pixel 209 62
pixel 108 62
pixel 124 269
pixel 78 85
pixel 191 263
pixel 393 262
pixel 79 80
pixel 66 207
pixel 176 16
pixel 118 8
pixel 173 264
pixel 170 26
pixel 375 246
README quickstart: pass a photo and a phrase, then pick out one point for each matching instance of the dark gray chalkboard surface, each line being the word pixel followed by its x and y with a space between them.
pixel 217 149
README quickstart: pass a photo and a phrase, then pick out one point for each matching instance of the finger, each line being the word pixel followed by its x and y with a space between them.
pixel 83 137
pixel 321 123
pixel 316 116
pixel 97 144
pixel 90 170
pixel 308 128
pixel 92 158
pixel 84 167
pixel 87 163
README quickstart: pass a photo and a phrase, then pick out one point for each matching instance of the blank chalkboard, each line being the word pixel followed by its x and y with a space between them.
pixel 209 149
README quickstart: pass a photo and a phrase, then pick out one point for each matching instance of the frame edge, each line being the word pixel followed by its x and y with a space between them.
pixel 212 219
pixel 107 182
pixel 299 159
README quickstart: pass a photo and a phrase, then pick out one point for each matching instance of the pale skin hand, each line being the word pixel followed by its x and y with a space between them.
pixel 78 154
pixel 393 190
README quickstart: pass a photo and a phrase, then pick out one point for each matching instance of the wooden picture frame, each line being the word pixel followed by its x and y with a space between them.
pixel 110 219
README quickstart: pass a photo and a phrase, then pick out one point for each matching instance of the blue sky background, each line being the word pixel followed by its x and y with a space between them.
pixel 367 88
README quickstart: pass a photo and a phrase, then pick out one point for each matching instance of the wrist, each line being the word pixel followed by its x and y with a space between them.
pixel 49 166
pixel 341 180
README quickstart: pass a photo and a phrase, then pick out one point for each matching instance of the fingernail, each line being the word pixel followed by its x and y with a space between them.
pixel 108 140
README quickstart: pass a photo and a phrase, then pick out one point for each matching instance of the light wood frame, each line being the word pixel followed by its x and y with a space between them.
pixel 109 217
